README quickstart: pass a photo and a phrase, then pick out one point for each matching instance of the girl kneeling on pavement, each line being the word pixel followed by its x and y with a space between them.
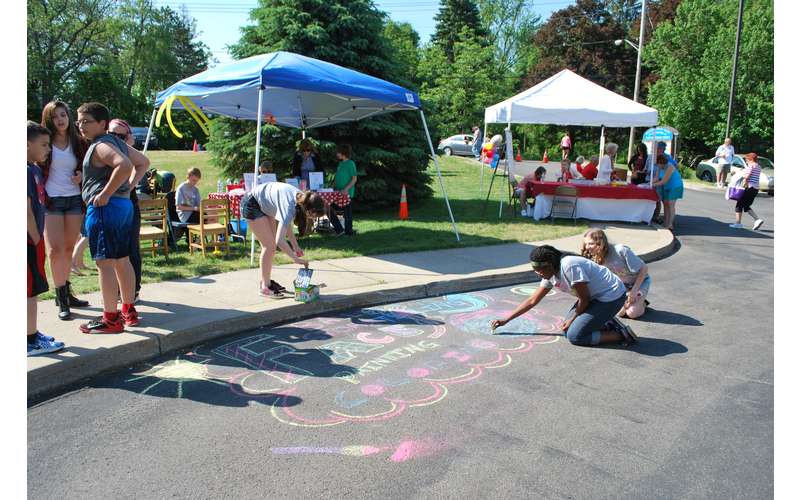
pixel 601 294
pixel 269 210
pixel 621 260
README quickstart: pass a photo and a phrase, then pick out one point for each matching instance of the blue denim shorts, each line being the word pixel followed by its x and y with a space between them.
pixel 109 229
pixel 64 205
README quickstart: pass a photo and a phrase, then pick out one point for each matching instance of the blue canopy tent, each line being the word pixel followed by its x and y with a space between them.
pixel 294 91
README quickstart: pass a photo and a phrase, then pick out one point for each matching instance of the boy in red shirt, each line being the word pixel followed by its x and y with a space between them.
pixel 38 150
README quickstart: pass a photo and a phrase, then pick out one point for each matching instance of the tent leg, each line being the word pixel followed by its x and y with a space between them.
pixel 255 167
pixel 149 130
pixel 439 173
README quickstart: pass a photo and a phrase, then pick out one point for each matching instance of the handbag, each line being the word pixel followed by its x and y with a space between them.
pixel 735 190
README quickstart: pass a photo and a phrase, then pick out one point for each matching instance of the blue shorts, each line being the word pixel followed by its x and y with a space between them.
pixel 109 229
pixel 65 205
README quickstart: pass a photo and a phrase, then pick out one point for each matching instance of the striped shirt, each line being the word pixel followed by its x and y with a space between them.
pixel 753 175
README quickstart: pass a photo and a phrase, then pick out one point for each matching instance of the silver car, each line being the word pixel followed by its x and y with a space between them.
pixel 460 144
pixel 707 170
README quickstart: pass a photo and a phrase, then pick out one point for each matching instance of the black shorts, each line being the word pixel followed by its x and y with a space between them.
pixel 37 280
pixel 249 207
pixel 747 200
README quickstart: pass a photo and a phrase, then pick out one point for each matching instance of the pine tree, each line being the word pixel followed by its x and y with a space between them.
pixel 451 19
pixel 388 150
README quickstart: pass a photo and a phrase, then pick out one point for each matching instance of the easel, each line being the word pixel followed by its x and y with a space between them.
pixel 511 199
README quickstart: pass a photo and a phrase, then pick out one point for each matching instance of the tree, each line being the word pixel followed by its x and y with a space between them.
pixel 693 54
pixel 459 92
pixel 389 150
pixel 405 52
pixel 455 18
pixel 510 25
pixel 64 36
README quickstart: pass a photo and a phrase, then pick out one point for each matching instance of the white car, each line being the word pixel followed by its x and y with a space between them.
pixel 707 170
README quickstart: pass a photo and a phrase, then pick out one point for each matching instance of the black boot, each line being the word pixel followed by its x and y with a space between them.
pixel 62 301
pixel 73 300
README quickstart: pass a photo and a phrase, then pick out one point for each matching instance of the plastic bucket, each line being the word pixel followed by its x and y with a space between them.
pixel 239 227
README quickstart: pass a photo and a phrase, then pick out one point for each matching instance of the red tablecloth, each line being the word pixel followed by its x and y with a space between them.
pixel 629 192
pixel 233 200
pixel 341 199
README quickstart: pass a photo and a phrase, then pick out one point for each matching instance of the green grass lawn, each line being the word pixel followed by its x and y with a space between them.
pixel 379 232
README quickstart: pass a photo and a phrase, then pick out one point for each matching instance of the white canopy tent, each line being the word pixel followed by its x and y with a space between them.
pixel 569 99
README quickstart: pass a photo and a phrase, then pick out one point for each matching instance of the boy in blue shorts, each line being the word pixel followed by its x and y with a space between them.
pixel 108 168
pixel 38 150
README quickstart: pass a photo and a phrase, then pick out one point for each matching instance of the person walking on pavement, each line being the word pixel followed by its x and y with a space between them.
pixel 566 146
pixel 601 294
pixel 752 177
pixel 724 157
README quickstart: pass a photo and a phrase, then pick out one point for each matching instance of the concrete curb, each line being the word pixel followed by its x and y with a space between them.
pixel 49 380
pixel 709 189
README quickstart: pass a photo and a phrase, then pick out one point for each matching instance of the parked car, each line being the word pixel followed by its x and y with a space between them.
pixel 460 144
pixel 139 135
pixel 707 170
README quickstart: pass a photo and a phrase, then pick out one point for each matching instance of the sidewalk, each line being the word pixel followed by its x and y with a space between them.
pixel 183 313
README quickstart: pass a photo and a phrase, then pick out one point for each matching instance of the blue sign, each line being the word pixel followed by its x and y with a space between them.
pixel 658 134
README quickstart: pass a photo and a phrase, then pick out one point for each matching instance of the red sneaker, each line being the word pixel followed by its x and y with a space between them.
pixel 102 325
pixel 131 318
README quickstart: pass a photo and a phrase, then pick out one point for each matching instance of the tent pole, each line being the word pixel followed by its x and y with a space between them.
pixel 255 166
pixel 439 173
pixel 149 130
pixel 483 141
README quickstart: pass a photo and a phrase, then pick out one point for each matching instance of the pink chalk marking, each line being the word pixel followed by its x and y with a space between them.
pixel 367 338
pixel 408 450
pixel 418 372
pixel 373 390
pixel 403 452
pixel 436 395
pixel 483 344
pixel 460 357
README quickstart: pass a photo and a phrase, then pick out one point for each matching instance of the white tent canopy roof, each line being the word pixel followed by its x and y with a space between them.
pixel 569 99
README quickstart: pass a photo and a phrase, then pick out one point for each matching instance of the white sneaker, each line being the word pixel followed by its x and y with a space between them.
pixel 524 213
pixel 757 224
pixel 735 226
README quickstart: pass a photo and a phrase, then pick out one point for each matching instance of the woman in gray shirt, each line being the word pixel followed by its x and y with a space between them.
pixel 591 320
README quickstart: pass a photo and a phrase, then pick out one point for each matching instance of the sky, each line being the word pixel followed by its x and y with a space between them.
pixel 218 21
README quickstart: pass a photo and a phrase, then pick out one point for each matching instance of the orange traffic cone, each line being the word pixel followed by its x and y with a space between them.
pixel 403 204
pixel 519 156
pixel 194 146
pixel 544 159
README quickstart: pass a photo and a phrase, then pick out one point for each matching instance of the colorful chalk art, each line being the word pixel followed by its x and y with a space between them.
pixel 365 365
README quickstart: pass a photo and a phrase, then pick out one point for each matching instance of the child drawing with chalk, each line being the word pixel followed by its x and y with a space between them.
pixel 601 294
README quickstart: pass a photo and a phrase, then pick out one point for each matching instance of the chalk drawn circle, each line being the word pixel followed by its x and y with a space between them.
pixel 373 390
pixel 418 372
pixel 483 344
pixel 528 290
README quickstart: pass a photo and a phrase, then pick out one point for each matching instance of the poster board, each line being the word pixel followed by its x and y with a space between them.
pixel 315 180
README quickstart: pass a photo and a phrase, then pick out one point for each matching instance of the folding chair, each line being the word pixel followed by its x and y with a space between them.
pixel 214 219
pixel 565 202
pixel 154 226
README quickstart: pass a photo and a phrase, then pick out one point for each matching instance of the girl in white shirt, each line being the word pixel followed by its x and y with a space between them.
pixel 64 213
pixel 601 294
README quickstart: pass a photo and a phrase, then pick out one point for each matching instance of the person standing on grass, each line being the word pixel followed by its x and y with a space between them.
pixel 621 260
pixel 752 178
pixel 669 187
pixel 606 167
pixel 122 130
pixel 269 210
pixel 38 150
pixel 601 294
pixel 64 207
pixel 187 197
pixel 344 182
pixel 107 169
pixel 638 165
pixel 477 142
pixel 305 160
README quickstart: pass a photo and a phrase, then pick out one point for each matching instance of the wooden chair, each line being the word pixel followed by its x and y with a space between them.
pixel 565 202
pixel 214 219
pixel 154 226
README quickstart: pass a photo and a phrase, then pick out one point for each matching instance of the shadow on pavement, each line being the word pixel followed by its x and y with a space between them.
pixel 668 318
pixel 657 347
pixel 235 372
pixel 692 225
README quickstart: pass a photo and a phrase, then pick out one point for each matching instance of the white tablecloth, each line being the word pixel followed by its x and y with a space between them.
pixel 601 209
